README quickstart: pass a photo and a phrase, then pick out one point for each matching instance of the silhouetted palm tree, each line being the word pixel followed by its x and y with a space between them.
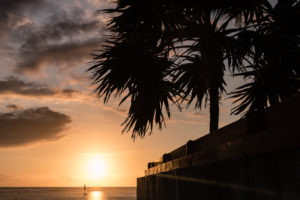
pixel 201 76
pixel 274 69
pixel 216 40
pixel 162 51
pixel 133 66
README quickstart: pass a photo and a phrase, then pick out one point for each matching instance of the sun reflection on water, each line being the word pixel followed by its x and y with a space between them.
pixel 96 195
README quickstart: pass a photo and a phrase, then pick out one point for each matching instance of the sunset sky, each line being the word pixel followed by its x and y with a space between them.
pixel 53 130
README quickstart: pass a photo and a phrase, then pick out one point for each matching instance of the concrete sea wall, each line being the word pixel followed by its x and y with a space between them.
pixel 253 158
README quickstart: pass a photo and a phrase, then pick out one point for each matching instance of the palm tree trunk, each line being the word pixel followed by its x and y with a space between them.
pixel 214 109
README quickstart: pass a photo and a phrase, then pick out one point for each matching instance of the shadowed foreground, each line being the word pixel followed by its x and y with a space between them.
pixel 253 158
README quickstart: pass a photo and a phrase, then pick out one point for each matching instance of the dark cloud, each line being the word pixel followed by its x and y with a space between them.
pixel 71 53
pixel 12 12
pixel 66 37
pixel 57 27
pixel 13 85
pixel 14 107
pixel 30 126
pixel 79 77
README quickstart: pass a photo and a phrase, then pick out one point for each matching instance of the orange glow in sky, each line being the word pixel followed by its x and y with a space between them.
pixel 73 138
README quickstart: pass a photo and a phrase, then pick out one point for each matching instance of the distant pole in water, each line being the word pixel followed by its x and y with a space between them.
pixel 84 188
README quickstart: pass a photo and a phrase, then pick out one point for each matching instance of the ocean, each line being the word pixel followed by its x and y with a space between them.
pixel 68 193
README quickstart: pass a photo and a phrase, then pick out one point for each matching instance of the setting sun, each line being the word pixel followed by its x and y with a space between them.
pixel 96 168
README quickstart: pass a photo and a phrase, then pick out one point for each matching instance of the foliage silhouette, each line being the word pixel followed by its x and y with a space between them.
pixel 275 62
pixel 168 51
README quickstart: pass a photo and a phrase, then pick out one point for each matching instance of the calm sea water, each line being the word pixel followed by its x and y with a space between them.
pixel 101 193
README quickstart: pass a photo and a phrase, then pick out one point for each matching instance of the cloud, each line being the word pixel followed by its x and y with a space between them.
pixel 119 111
pixel 12 12
pixel 95 2
pixel 70 53
pixel 30 126
pixel 13 85
pixel 66 38
pixel 14 107
pixel 78 78
pixel 101 3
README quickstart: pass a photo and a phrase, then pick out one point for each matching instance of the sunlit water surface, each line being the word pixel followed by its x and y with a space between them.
pixel 105 193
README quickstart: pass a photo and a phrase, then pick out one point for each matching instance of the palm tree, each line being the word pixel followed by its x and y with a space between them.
pixel 136 64
pixel 208 27
pixel 275 59
pixel 201 76
pixel 131 64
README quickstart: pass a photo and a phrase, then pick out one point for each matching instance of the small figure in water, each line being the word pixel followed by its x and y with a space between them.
pixel 84 188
